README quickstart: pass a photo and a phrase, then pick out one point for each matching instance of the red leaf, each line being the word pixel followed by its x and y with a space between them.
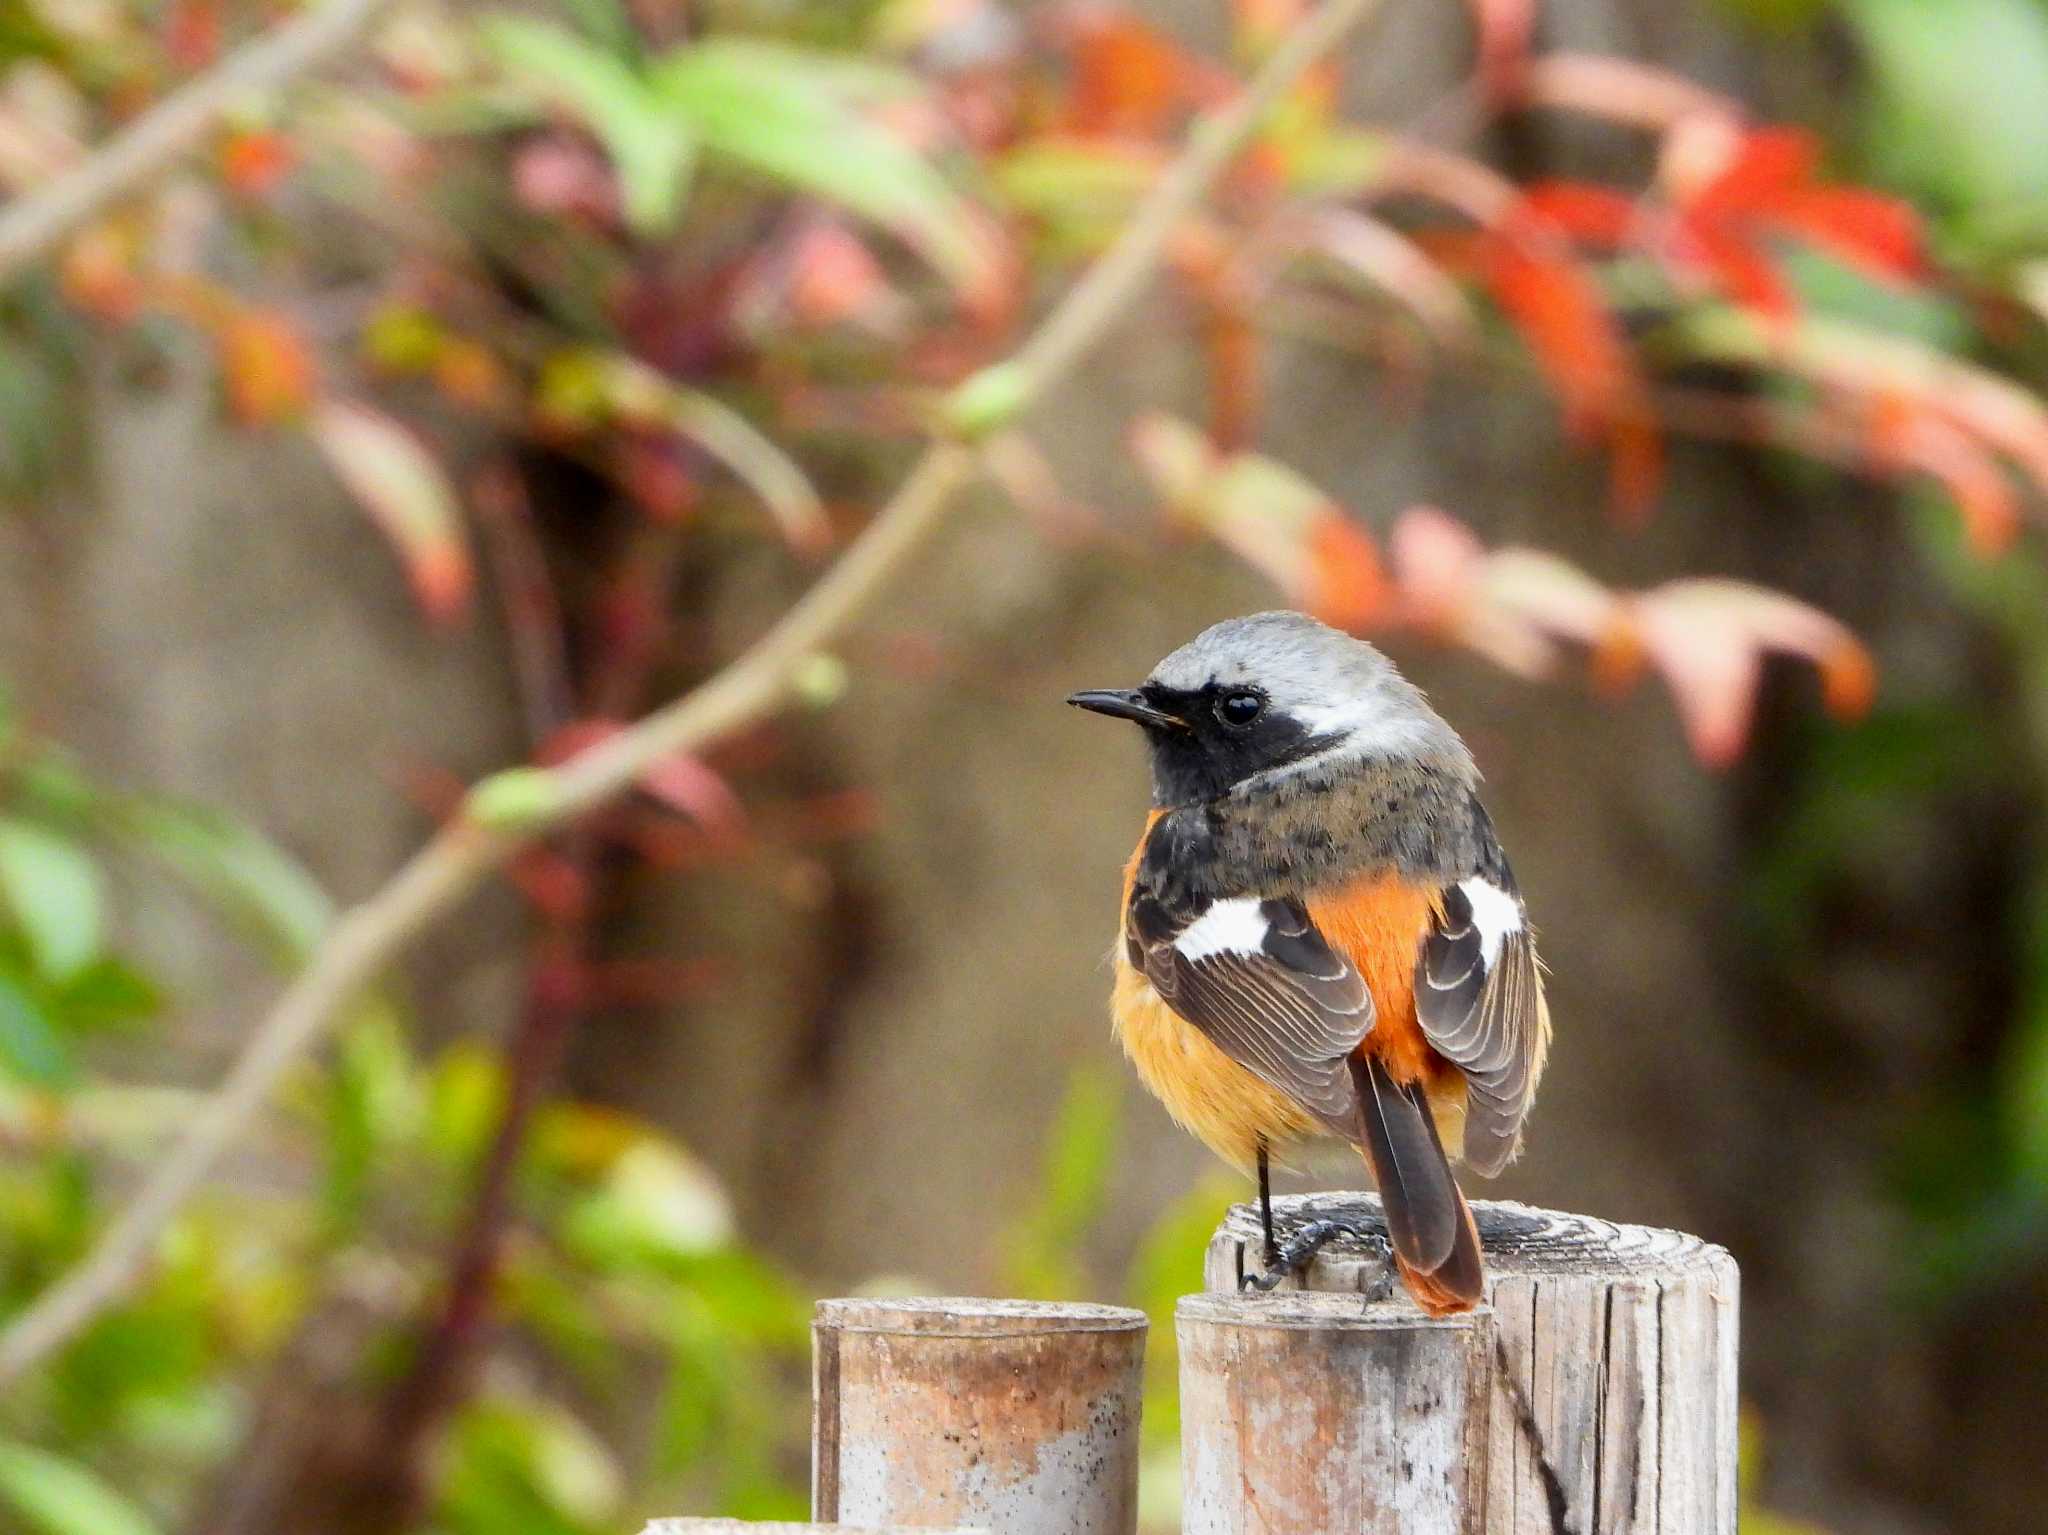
pixel 687 786
pixel 1866 229
pixel 681 782
pixel 192 32
pixel 1740 270
pixel 1765 164
pixel 1592 215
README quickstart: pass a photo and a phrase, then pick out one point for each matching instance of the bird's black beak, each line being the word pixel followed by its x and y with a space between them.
pixel 1125 704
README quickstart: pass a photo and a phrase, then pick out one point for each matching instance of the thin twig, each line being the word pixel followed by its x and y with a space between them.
pixel 372 934
pixel 32 224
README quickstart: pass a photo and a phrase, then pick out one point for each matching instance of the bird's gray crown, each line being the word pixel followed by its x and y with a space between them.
pixel 1332 683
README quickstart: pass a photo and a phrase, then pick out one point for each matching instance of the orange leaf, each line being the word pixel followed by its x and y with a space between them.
pixel 97 275
pixel 253 163
pixel 1635 474
pixel 403 488
pixel 1128 76
pixel 1275 519
pixel 1565 323
pixel 1346 585
pixel 1984 497
pixel 1709 637
pixel 267 367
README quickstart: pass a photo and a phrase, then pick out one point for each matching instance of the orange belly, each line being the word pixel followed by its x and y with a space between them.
pixel 1378 925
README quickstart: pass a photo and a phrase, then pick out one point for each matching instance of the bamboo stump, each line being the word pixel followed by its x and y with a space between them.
pixel 1611 1408
pixel 1017 1416
pixel 1314 1414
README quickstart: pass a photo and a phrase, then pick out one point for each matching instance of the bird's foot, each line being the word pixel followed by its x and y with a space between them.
pixel 1294 1254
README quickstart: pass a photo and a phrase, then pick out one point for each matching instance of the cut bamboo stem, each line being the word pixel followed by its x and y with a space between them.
pixel 1613 1404
pixel 1323 1414
pixel 1018 1416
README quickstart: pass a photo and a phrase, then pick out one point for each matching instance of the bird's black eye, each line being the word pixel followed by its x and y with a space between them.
pixel 1239 708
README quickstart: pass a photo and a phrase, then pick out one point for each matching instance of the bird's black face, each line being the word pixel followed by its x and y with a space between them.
pixel 1206 740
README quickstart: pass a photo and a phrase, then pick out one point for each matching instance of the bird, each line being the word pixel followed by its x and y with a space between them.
pixel 1321 936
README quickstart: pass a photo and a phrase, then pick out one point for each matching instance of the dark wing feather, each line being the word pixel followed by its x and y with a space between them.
pixel 1290 1011
pixel 1489 1020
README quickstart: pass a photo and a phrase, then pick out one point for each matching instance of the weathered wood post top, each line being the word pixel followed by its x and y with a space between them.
pixel 1016 1416
pixel 1607 1405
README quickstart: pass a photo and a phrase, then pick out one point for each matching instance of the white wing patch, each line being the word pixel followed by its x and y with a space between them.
pixel 1236 926
pixel 1494 912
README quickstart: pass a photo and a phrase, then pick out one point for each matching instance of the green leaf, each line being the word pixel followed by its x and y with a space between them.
pixel 1043 1250
pixel 1957 86
pixel 793 116
pixel 525 1466
pixel 29 1046
pixel 60 1497
pixel 650 143
pixel 238 868
pixel 657 1205
pixel 374 1110
pixel 55 892
pixel 2025 1081
pixel 465 1100
pixel 106 994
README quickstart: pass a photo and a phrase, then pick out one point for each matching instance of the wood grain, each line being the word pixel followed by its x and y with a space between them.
pixel 1612 1409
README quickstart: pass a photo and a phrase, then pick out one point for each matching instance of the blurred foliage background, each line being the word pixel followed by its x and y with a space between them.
pixel 1661 383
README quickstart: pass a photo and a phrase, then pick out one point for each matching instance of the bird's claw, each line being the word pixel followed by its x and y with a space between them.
pixel 1296 1251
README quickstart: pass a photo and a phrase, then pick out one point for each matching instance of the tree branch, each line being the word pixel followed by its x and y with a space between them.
pixel 372 934
pixel 34 222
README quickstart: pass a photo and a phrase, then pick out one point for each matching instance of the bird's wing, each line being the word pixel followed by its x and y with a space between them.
pixel 1479 999
pixel 1258 979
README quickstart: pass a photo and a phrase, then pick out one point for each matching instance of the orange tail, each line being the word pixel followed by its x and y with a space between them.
pixel 1436 1244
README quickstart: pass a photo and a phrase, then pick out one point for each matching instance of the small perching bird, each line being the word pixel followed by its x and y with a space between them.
pixel 1321 936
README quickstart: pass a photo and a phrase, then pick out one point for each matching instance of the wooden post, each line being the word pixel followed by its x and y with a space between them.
pixel 750 1527
pixel 1017 1415
pixel 1323 1415
pixel 1613 1405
